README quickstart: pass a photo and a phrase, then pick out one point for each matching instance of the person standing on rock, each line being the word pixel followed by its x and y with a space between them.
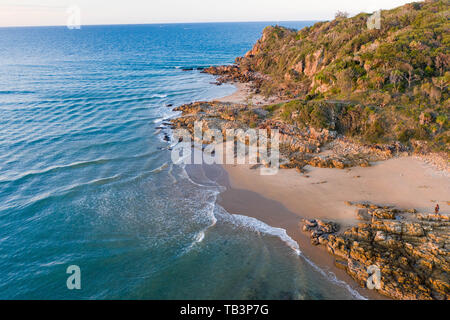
pixel 436 210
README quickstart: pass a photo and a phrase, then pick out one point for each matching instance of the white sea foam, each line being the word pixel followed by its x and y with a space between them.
pixel 211 184
pixel 261 227
pixel 200 236
pixel 157 95
pixel 169 172
pixel 160 168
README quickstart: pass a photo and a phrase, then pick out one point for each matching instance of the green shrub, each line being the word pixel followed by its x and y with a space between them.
pixel 441 120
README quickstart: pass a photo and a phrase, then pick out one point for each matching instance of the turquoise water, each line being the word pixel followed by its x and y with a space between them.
pixel 86 177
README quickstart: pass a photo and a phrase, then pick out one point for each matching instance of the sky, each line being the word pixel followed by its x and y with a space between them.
pixel 58 12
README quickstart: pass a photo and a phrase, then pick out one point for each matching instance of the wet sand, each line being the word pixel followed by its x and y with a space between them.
pixel 282 200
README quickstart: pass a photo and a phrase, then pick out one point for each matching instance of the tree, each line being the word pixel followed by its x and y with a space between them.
pixel 442 82
pixel 341 14
pixel 410 76
pixel 442 62
pixel 395 78
pixel 441 120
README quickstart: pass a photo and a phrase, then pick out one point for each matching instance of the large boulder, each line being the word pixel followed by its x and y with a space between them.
pixel 327 226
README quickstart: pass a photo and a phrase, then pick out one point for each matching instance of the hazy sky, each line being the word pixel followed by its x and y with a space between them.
pixel 54 12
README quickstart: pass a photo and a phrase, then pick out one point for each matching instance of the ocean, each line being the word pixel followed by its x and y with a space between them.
pixel 86 177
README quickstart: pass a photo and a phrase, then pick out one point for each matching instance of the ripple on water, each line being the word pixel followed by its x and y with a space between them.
pixel 84 180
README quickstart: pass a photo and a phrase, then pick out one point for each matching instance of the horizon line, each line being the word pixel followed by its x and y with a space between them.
pixel 157 23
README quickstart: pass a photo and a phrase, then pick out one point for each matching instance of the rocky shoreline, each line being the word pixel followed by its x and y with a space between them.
pixel 298 147
pixel 411 250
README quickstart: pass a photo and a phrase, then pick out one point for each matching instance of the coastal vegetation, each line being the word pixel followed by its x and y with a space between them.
pixel 376 85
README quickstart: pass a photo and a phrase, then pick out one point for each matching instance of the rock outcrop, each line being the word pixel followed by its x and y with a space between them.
pixel 411 250
pixel 298 147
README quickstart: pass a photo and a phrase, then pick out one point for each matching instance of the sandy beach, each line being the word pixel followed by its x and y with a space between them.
pixel 403 182
pixel 282 200
pixel 245 95
pixel 274 213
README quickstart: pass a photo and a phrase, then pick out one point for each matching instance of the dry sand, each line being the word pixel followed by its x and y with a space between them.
pixel 245 95
pixel 284 199
pixel 404 182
